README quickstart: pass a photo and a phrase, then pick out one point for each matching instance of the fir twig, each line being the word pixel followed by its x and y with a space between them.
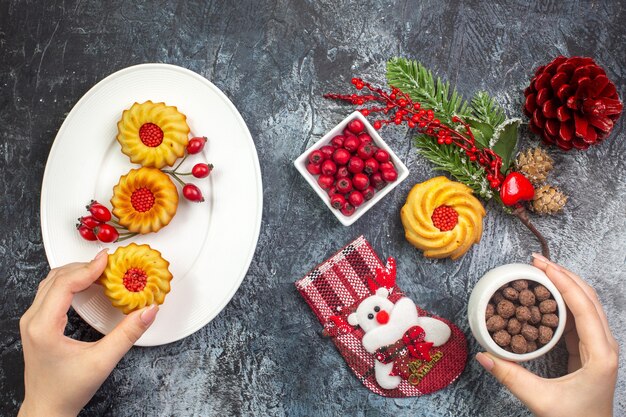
pixel 486 110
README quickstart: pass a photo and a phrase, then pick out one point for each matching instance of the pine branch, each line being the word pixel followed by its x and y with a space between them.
pixel 485 109
pixel 450 159
pixel 416 80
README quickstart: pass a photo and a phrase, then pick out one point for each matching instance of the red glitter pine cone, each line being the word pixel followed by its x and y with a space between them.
pixel 571 103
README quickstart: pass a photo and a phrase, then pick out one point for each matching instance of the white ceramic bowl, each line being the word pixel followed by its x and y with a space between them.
pixel 301 164
pixel 487 286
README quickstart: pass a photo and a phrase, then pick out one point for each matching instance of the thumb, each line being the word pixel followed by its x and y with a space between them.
pixel 522 383
pixel 115 345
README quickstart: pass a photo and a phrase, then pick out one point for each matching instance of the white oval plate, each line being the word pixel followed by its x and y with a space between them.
pixel 209 245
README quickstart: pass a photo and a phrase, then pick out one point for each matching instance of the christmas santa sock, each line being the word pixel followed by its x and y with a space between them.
pixel 394 347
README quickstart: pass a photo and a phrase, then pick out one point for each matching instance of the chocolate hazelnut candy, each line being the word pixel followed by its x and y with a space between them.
pixel 497 297
pixel 520 284
pixel 522 313
pixel 505 308
pixel 526 298
pixel 502 338
pixel 491 310
pixel 495 323
pixel 514 326
pixel 531 346
pixel 545 334
pixel 550 320
pixel 547 306
pixel 541 292
pixel 535 315
pixel 530 333
pixel 519 344
pixel 510 293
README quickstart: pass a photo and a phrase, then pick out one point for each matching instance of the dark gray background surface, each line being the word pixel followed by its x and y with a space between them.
pixel 263 355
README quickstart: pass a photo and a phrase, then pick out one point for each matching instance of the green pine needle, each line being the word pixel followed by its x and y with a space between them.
pixel 485 109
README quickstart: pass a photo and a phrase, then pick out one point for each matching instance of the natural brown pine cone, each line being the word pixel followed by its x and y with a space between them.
pixel 535 164
pixel 548 200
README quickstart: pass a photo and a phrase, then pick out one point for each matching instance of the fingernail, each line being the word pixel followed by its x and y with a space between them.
pixel 149 314
pixel 101 253
pixel 541 258
pixel 485 361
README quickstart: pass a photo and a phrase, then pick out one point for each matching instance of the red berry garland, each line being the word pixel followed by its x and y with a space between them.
pixel 401 109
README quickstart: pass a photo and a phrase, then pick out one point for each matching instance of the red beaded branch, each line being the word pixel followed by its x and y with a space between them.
pixel 400 105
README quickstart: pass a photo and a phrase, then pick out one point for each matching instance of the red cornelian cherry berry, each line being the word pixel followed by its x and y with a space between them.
pixel 327 151
pixel 344 185
pixel 371 166
pixel 332 191
pixel 342 172
pixel 347 133
pixel 341 156
pixel 360 181
pixel 351 144
pixel 368 193
pixel 365 151
pixel 142 199
pixel 192 193
pixel 356 198
pixel 314 169
pixel 135 279
pixel 195 145
pixel 389 175
pixel 338 201
pixel 106 233
pixel 445 218
pixel 364 138
pixel 383 166
pixel 150 135
pixel 355 165
pixel 98 211
pixel 337 141
pixel 348 210
pixel 326 181
pixel 86 233
pixel 381 155
pixel 316 157
pixel 89 221
pixel 329 167
pixel 376 180
pixel 356 126
pixel 201 170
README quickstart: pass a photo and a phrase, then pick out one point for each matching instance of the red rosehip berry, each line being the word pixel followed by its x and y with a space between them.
pixel 365 138
pixel 376 180
pixel 314 169
pixel 360 181
pixel 381 155
pixel 106 233
pixel 342 172
pixel 356 126
pixel 365 151
pixel 338 201
pixel 341 156
pixel 88 221
pixel 389 175
pixel 195 145
pixel 356 198
pixel 348 210
pixel 327 151
pixel 86 233
pixel 337 141
pixel 316 157
pixel 332 191
pixel 98 211
pixel 351 143
pixel 201 170
pixel 347 133
pixel 325 181
pixel 355 165
pixel 192 193
pixel 344 185
pixel 329 167
pixel 371 166
pixel 368 193
pixel 384 166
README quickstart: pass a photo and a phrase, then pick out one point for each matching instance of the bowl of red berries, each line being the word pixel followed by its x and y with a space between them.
pixel 351 168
